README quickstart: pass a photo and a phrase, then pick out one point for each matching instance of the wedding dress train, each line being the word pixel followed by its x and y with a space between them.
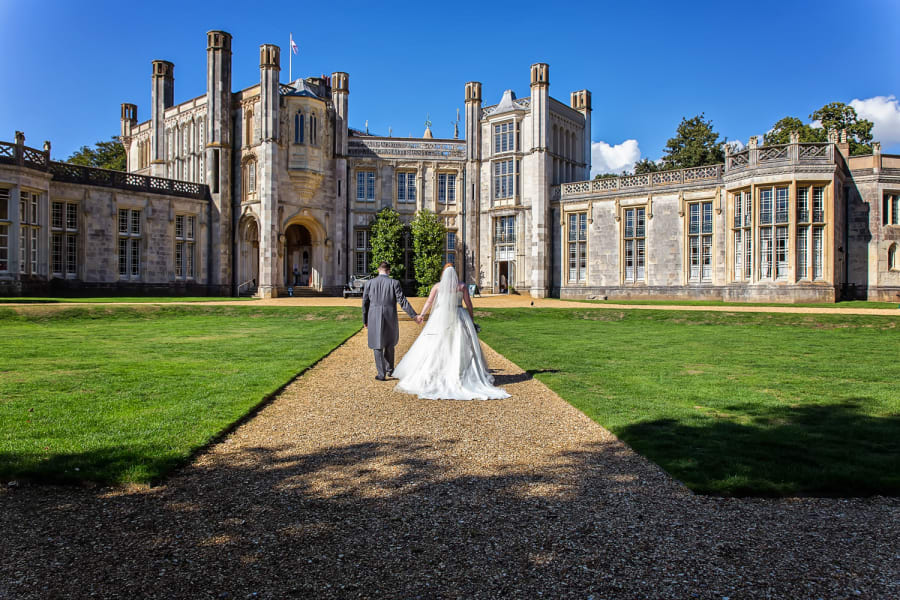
pixel 446 362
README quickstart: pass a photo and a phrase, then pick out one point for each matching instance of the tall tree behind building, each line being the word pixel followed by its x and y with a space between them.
pixel 835 115
pixel 104 155
pixel 695 144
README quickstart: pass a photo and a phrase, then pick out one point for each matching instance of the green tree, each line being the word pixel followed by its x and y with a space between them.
pixel 835 115
pixel 781 132
pixel 606 175
pixel 386 237
pixel 695 144
pixel 645 165
pixel 428 234
pixel 104 155
pixel 838 115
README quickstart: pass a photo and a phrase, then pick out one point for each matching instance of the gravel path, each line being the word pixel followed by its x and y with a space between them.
pixel 341 488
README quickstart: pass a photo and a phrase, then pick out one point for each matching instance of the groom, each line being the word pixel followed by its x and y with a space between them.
pixel 380 298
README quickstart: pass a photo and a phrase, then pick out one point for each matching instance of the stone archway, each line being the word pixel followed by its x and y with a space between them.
pixel 298 256
pixel 304 248
pixel 248 255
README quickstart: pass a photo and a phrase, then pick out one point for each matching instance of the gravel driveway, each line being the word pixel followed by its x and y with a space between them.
pixel 341 488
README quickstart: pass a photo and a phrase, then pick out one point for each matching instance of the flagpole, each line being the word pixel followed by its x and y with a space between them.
pixel 291 59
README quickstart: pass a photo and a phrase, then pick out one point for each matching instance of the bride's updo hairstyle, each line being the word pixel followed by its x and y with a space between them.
pixel 446 266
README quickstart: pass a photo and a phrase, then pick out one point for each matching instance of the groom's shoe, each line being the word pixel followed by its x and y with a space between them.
pixel 379 378
pixel 388 374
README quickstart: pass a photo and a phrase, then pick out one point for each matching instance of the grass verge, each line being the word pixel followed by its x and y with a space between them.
pixel 728 403
pixel 120 299
pixel 124 394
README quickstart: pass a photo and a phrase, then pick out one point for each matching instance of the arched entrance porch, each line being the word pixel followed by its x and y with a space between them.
pixel 304 260
pixel 248 255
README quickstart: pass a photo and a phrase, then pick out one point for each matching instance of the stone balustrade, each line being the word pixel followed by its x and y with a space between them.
pixel 20 155
pixel 658 179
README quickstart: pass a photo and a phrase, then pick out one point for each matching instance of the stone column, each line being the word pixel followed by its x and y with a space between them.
pixel 539 189
pixel 470 250
pixel 340 268
pixel 218 160
pixel 162 96
pixel 581 101
pixel 269 267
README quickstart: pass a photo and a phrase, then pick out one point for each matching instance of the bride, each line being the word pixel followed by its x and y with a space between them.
pixel 445 361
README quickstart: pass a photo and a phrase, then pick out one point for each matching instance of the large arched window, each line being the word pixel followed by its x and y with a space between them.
pixel 892 258
pixel 248 127
pixel 249 179
pixel 299 124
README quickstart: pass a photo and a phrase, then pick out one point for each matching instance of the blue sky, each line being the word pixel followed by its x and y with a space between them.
pixel 68 65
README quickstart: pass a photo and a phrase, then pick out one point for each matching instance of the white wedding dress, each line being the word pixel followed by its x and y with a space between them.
pixel 445 362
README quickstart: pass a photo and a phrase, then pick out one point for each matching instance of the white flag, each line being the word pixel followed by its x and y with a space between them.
pixel 294 47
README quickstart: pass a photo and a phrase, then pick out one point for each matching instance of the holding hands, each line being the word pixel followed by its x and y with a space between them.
pixel 419 319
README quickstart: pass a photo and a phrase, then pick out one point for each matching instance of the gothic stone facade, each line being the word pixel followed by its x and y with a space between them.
pixel 284 192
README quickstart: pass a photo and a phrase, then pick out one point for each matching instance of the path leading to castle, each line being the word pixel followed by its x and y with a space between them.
pixel 342 488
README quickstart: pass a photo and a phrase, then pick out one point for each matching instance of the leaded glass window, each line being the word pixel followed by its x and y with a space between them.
pixel 503 179
pixel 504 137
pixel 365 186
pixel 129 248
pixel 577 241
pixel 406 187
pixel 700 228
pixel 635 247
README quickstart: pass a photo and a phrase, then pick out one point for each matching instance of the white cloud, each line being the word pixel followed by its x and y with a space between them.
pixel 614 159
pixel 884 111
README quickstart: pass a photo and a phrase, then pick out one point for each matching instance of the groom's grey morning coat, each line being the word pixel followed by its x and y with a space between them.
pixel 380 298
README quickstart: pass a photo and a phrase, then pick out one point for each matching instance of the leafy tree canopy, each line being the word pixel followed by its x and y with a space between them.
pixel 835 115
pixel 104 155
pixel 781 132
pixel 695 144
pixel 428 244
pixel 838 115
pixel 645 165
pixel 386 237
pixel 606 175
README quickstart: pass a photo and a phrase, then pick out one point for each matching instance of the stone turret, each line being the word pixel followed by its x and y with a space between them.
pixel 539 184
pixel 269 100
pixel 471 184
pixel 581 101
pixel 218 157
pixel 162 96
pixel 128 122
pixel 340 92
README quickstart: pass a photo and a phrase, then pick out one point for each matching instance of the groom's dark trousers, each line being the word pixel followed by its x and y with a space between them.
pixel 380 299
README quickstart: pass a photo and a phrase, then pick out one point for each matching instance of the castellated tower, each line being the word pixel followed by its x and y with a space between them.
pixel 581 101
pixel 340 96
pixel 537 186
pixel 471 195
pixel 340 92
pixel 218 156
pixel 129 121
pixel 269 97
pixel 162 96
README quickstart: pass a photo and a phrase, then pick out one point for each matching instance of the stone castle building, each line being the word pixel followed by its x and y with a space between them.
pixel 269 187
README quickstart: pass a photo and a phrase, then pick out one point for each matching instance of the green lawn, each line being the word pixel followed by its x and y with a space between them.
pixel 728 403
pixel 842 304
pixel 124 394
pixel 118 299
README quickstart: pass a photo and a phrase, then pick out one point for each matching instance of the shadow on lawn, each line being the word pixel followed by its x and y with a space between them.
pixel 392 518
pixel 826 449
